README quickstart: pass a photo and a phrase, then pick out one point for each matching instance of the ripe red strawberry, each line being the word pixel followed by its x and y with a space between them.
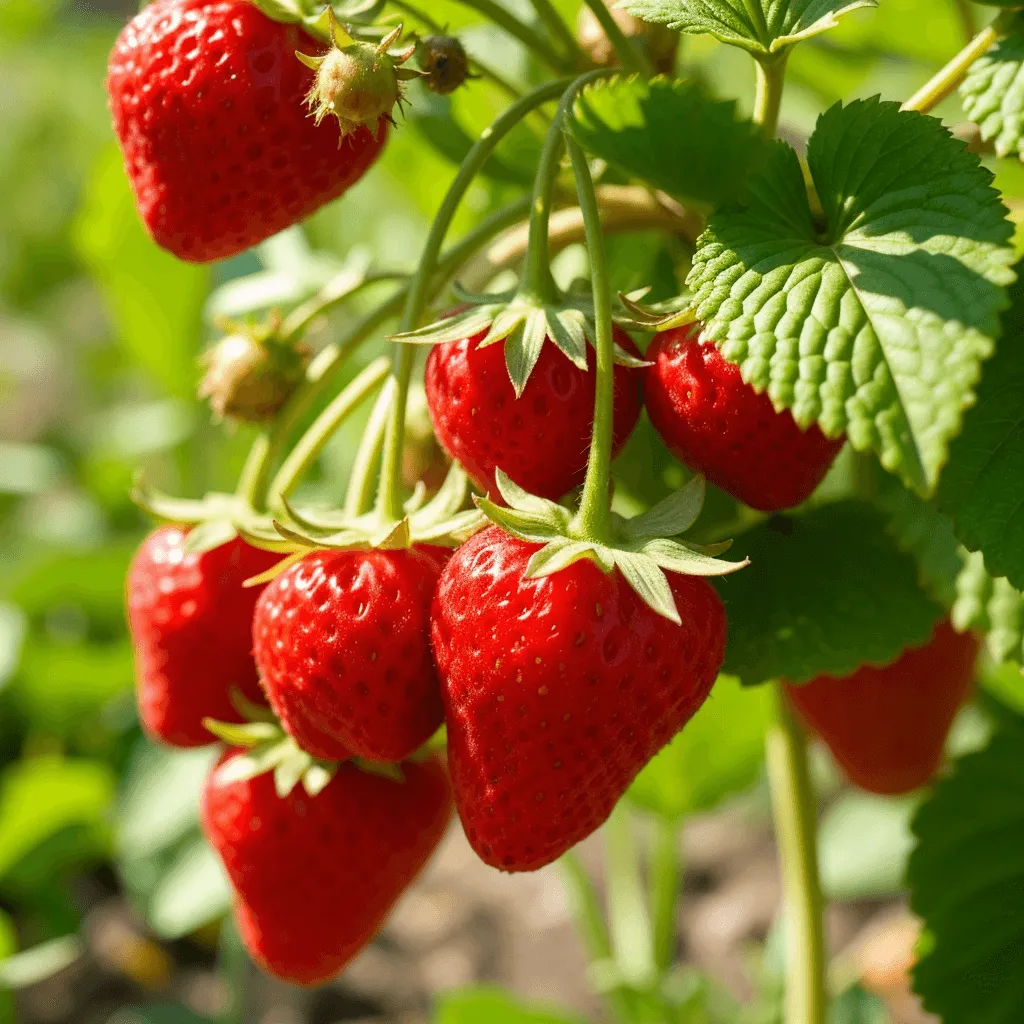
pixel 721 427
pixel 540 440
pixel 315 877
pixel 887 726
pixel 342 640
pixel 209 105
pixel 558 691
pixel 191 624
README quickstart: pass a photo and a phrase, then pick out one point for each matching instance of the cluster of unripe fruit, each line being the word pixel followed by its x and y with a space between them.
pixel 555 691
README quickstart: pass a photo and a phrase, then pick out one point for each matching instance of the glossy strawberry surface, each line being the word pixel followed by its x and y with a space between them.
pixel 558 691
pixel 191 625
pixel 342 640
pixel 721 427
pixel 887 726
pixel 542 439
pixel 314 877
pixel 208 101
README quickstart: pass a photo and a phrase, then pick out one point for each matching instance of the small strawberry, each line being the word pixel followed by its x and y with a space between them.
pixel 342 640
pixel 558 690
pixel 315 876
pixel 887 726
pixel 480 422
pixel 721 427
pixel 191 624
pixel 209 105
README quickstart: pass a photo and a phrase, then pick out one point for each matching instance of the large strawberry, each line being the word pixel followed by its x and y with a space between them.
pixel 315 876
pixel 558 690
pixel 540 440
pixel 209 105
pixel 342 640
pixel 887 726
pixel 191 624
pixel 721 427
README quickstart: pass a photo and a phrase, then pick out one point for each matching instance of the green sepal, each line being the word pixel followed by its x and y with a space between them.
pixel 314 21
pixel 659 316
pixel 642 549
pixel 382 769
pixel 244 734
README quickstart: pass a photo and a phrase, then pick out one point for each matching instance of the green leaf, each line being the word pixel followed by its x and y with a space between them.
pixel 982 488
pixel 993 94
pixel 192 892
pixel 857 1006
pixel 718 754
pixel 647 129
pixel 31 966
pixel 863 845
pixel 993 606
pixel 492 1006
pixel 967 883
pixel 874 322
pixel 825 592
pixel 761 26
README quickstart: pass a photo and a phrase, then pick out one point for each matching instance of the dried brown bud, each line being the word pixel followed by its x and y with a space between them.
pixel 660 43
pixel 444 61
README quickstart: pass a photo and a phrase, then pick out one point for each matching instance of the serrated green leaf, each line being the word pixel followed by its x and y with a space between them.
pixel 523 348
pixel 993 93
pixel 967 883
pixel 992 606
pixel 982 488
pixel 761 26
pixel 719 753
pixel 672 515
pixel 875 323
pixel 649 581
pixel 647 129
pixel 826 592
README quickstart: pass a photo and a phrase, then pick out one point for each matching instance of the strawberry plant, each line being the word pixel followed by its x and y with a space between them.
pixel 682 440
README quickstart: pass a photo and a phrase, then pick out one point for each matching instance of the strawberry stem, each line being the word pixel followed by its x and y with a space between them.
pixel 389 503
pixel 796 838
pixel 593 520
pixel 528 36
pixel 771 74
pixel 537 282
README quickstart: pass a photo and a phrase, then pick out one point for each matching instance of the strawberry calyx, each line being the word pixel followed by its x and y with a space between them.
pixel 359 83
pixel 659 316
pixel 443 520
pixel 642 548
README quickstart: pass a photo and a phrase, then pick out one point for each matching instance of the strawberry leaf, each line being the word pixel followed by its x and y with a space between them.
pixel 760 26
pixel 993 93
pixel 982 488
pixel 646 128
pixel 874 319
pixel 992 606
pixel 967 883
pixel 825 592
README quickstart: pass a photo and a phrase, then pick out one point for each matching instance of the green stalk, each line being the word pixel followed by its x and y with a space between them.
pixel 389 503
pixel 359 495
pixel 629 54
pixel 529 37
pixel 796 839
pixel 341 289
pixel 771 74
pixel 665 873
pixel 945 82
pixel 306 452
pixel 252 485
pixel 556 26
pixel 537 281
pixel 593 521
pixel 628 919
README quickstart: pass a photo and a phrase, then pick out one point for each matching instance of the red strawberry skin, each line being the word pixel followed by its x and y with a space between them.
pixel 721 427
pixel 342 640
pixel 208 102
pixel 191 625
pixel 558 691
pixel 315 877
pixel 887 726
pixel 482 425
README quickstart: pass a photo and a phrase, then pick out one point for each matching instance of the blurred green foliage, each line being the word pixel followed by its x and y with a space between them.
pixel 99 335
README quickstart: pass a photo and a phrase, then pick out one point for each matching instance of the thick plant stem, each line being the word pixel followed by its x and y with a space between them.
pixel 305 453
pixel 665 873
pixel 531 39
pixel 593 521
pixel 771 75
pixel 796 839
pixel 389 503
pixel 630 56
pixel 945 82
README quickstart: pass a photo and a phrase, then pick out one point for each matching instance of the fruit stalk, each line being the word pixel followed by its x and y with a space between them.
pixel 795 817
pixel 388 497
pixel 630 56
pixel 593 521
pixel 531 39
pixel 556 26
pixel 949 78
pixel 628 917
